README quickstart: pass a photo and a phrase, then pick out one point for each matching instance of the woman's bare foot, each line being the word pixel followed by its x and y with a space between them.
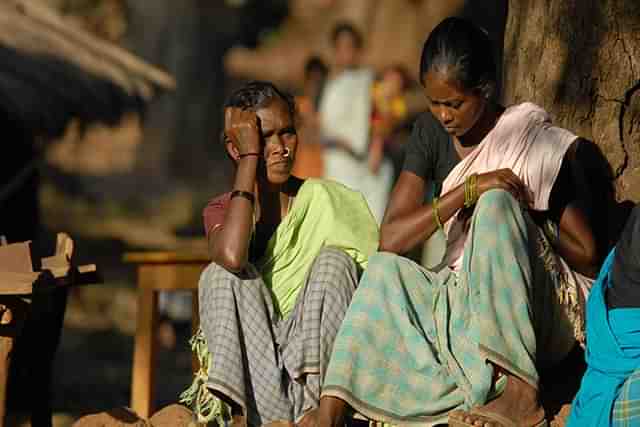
pixel 310 419
pixel 519 402
pixel 331 412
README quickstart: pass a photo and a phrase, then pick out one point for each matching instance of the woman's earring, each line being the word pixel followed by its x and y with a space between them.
pixel 286 152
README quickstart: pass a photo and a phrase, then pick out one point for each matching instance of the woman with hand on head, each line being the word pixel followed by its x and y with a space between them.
pixel 286 255
pixel 461 342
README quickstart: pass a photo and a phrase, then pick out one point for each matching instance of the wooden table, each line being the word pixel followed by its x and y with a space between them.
pixel 158 271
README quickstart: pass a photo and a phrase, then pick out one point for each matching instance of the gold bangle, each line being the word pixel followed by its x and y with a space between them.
pixel 474 189
pixel 466 192
pixel 436 213
pixel 470 190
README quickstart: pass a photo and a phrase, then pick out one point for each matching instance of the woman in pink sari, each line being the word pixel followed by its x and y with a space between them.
pixel 462 341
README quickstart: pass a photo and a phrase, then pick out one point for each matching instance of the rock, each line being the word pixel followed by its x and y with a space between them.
pixel 173 416
pixel 118 417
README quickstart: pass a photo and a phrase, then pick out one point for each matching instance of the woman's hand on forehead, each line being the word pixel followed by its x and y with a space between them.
pixel 242 129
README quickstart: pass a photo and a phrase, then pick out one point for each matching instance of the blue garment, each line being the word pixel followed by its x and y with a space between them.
pixel 613 353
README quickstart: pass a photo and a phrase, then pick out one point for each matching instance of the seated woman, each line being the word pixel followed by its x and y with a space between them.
pixel 463 340
pixel 610 391
pixel 286 255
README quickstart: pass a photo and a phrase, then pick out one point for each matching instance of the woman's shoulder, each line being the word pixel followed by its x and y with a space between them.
pixel 321 185
pixel 527 111
pixel 426 121
pixel 427 131
pixel 320 188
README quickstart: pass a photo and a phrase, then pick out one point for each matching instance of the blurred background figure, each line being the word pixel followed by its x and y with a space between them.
pixel 315 77
pixel 345 123
pixel 310 155
pixel 390 114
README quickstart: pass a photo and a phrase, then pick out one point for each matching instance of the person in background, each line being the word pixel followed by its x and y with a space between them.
pixel 286 257
pixel 310 155
pixel 315 77
pixel 390 112
pixel 345 122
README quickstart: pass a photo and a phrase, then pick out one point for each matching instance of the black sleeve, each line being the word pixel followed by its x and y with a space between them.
pixel 625 273
pixel 418 155
pixel 563 191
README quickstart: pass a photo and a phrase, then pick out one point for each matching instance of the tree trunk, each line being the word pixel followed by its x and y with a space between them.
pixel 580 60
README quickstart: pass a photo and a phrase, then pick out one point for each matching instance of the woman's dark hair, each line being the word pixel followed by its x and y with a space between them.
pixel 347 28
pixel 463 51
pixel 315 64
pixel 257 94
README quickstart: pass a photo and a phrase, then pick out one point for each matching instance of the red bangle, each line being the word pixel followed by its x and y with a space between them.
pixel 245 194
pixel 248 154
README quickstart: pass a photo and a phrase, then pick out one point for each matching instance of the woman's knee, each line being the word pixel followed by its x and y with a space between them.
pixel 217 280
pixel 335 271
pixel 497 202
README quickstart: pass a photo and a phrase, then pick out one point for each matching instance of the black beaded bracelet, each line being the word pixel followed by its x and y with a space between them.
pixel 248 154
pixel 247 195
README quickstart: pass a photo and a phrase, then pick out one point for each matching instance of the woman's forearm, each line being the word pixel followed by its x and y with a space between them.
pixel 402 233
pixel 580 257
pixel 229 246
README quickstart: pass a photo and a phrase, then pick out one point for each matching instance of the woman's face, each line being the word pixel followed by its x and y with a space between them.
pixel 279 139
pixel 457 108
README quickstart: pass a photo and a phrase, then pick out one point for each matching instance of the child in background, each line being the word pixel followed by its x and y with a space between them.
pixel 389 111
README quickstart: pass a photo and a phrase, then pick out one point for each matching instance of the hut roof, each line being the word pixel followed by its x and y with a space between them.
pixel 51 71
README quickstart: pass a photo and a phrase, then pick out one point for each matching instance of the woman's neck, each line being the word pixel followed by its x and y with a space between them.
pixel 483 126
pixel 274 199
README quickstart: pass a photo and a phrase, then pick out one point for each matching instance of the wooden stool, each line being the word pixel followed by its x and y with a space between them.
pixel 19 283
pixel 158 271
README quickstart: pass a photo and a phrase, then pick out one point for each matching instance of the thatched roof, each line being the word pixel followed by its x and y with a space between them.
pixel 52 71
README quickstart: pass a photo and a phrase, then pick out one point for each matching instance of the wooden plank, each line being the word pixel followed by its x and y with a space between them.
pixel 166 257
pixel 12 283
pixel 16 257
pixel 12 317
pixel 144 355
pixel 195 324
pixel 166 277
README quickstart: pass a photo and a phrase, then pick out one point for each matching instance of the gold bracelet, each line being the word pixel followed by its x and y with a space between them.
pixel 470 190
pixel 474 188
pixel 466 192
pixel 436 213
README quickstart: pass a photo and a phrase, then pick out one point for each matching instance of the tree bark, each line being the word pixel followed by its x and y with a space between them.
pixel 580 60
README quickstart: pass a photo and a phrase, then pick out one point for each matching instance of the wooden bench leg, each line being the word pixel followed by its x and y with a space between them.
pixel 195 324
pixel 144 355
pixel 13 312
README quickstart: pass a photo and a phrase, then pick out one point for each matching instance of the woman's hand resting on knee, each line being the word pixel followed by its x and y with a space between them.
pixel 504 179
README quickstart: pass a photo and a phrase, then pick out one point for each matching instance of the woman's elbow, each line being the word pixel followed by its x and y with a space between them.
pixel 387 241
pixel 590 260
pixel 230 261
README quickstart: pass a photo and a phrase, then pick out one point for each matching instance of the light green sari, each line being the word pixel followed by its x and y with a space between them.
pixel 324 213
